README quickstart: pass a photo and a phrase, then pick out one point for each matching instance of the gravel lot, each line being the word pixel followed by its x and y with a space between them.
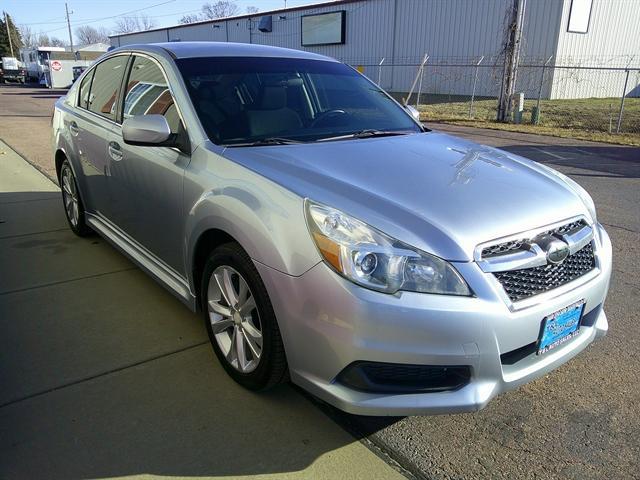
pixel 582 421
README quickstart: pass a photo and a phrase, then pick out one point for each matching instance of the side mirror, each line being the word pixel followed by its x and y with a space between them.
pixel 413 112
pixel 147 130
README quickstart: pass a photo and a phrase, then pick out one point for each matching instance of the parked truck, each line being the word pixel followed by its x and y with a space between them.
pixel 13 70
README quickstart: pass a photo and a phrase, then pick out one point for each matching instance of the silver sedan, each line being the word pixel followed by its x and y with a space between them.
pixel 326 236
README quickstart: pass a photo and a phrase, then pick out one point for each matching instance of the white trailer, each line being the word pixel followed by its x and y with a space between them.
pixel 36 60
pixel 60 73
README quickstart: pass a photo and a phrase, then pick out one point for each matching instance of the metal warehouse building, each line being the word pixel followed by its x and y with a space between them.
pixel 586 44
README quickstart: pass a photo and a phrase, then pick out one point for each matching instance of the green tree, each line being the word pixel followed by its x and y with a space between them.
pixel 16 38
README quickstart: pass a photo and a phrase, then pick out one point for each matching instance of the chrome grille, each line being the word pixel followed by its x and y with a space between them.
pixel 521 284
pixel 521 244
pixel 502 248
pixel 567 228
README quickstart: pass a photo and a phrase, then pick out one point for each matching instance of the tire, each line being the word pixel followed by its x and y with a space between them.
pixel 232 265
pixel 72 202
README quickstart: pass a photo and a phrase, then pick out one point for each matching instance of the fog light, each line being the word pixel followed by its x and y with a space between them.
pixel 377 377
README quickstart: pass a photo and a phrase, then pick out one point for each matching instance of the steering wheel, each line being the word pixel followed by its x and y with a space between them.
pixel 324 116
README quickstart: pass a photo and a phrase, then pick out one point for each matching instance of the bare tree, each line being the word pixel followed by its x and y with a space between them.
pixel 56 42
pixel 211 11
pixel 146 22
pixel 219 9
pixel 137 23
pixel 191 18
pixel 40 39
pixel 252 10
pixel 29 37
pixel 43 40
pixel 87 35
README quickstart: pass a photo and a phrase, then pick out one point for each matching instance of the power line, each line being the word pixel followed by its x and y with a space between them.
pixel 97 19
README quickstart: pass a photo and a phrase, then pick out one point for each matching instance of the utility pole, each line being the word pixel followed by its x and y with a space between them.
pixel 6 22
pixel 511 59
pixel 66 7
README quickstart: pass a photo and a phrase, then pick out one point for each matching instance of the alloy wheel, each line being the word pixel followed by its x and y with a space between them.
pixel 70 195
pixel 234 318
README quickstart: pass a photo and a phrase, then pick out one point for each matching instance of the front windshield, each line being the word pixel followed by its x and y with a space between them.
pixel 246 99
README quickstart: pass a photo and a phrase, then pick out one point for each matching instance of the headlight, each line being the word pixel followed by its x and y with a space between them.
pixel 374 260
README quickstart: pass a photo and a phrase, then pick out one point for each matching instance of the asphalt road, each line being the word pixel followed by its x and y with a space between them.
pixel 583 420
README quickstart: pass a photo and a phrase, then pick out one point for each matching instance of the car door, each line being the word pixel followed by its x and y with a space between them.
pixel 92 125
pixel 147 182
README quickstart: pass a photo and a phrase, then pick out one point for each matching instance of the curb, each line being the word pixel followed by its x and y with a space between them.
pixel 33 164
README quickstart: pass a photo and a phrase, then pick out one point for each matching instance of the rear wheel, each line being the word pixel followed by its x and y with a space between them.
pixel 240 320
pixel 73 206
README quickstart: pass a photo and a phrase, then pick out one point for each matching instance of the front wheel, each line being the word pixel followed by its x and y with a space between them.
pixel 240 320
pixel 73 206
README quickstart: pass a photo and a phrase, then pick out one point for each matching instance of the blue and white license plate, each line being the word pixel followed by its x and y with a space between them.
pixel 560 327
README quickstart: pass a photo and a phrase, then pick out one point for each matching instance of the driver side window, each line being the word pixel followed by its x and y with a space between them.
pixel 147 93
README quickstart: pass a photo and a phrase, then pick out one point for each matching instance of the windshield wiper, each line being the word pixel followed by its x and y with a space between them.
pixel 265 141
pixel 367 133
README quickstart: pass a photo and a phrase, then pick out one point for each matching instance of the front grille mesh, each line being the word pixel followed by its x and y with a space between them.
pixel 521 244
pixel 567 228
pixel 502 248
pixel 521 284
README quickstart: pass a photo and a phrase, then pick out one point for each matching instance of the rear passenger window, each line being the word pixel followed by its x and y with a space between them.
pixel 107 78
pixel 85 86
pixel 147 93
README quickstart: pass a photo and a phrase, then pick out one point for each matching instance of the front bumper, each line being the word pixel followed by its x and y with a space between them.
pixel 328 322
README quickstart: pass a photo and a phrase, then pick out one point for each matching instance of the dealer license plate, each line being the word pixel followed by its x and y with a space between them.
pixel 560 327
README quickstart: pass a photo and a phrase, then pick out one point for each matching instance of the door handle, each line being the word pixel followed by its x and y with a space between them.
pixel 115 151
pixel 74 129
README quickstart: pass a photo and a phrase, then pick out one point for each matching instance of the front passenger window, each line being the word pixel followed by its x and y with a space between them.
pixel 147 93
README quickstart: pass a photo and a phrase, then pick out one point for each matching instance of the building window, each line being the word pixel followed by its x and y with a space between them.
pixel 579 16
pixel 323 29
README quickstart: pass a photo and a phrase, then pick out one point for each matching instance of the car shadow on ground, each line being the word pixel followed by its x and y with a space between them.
pixel 106 374
pixel 615 161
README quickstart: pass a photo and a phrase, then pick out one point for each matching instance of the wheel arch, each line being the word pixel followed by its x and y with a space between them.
pixel 59 157
pixel 207 241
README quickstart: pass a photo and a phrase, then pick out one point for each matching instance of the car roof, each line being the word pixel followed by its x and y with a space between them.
pixel 223 49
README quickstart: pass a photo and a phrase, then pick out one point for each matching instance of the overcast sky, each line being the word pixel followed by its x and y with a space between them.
pixel 49 16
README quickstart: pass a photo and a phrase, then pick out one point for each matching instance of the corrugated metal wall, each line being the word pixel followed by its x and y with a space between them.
pixel 452 32
pixel 612 40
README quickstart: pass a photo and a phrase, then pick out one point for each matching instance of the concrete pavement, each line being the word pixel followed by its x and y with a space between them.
pixel 105 374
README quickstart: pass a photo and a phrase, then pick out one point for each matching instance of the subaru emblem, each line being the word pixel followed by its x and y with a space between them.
pixel 557 251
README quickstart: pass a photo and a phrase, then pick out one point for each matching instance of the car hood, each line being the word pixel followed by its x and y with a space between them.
pixel 439 193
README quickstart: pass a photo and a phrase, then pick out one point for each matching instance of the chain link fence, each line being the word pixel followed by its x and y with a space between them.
pixel 567 97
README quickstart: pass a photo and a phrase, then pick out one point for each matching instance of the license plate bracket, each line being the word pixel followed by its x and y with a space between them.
pixel 560 327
